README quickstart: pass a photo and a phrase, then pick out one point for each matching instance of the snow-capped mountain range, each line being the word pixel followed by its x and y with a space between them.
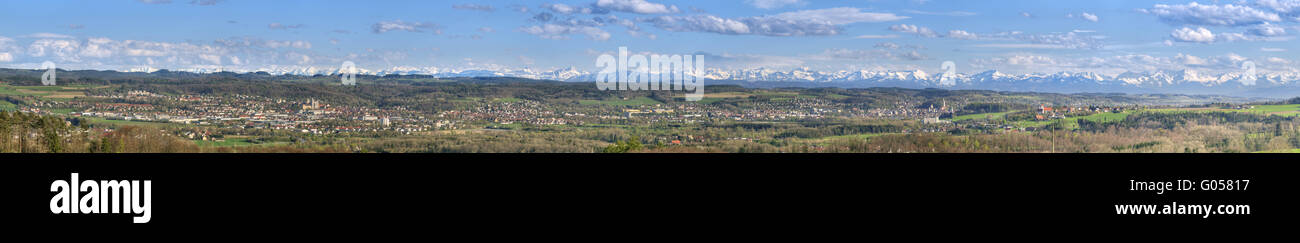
pixel 1165 81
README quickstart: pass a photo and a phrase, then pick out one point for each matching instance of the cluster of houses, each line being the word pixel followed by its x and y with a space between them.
pixel 1049 113
pixel 521 112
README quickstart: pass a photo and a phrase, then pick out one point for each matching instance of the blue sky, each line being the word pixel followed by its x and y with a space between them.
pixel 1104 36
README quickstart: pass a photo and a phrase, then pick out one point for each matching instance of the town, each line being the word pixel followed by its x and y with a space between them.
pixel 397 114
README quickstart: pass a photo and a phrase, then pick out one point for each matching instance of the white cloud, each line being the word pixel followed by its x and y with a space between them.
pixel 1020 62
pixel 1022 46
pixel 474 7
pixel 398 25
pixel 213 59
pixel 1085 16
pixel 912 29
pixel 6 57
pixel 1222 15
pixel 1203 35
pixel 1067 40
pixel 144 53
pixel 279 26
pixel 1233 37
pixel 1030 60
pixel 47 36
pixel 1089 17
pixel 876 37
pixel 774 4
pixel 562 32
pixel 961 34
pixel 1267 29
pixel 104 53
pixel 555 28
pixel 1112 65
pixel 891 45
pixel 706 23
pixel 282 44
pixel 566 9
pixel 799 23
pixel 1189 59
pixel 1269 49
pixel 838 16
pixel 1288 7
pixel 63 50
pixel 1231 59
pixel 913 55
pixel 97 47
pixel 839 53
pixel 637 6
pixel 1198 35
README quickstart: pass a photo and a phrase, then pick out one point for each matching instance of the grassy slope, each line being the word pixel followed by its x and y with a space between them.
pixel 991 116
pixel 6 106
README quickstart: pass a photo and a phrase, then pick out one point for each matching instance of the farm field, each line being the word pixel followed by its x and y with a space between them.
pixel 52 92
pixel 990 116
pixel 1281 110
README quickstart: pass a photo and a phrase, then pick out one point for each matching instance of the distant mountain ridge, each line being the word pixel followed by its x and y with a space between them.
pixel 1164 81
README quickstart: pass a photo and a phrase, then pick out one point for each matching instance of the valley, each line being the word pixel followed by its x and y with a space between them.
pixel 400 114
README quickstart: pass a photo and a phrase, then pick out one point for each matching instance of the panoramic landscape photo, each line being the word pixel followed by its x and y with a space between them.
pixel 650 76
